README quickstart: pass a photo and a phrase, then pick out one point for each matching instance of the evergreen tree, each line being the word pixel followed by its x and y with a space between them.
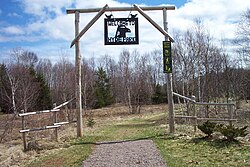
pixel 103 89
pixel 4 89
pixel 158 96
pixel 44 100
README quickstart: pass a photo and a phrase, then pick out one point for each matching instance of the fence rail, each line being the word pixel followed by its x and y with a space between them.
pixel 215 104
pixel 38 129
pixel 184 97
pixel 230 108
pixel 37 112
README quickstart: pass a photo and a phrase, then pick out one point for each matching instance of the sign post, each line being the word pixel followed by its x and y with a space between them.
pixel 167 57
pixel 78 90
pixel 168 68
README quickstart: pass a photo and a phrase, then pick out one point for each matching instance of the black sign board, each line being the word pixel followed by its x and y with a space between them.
pixel 167 57
pixel 121 31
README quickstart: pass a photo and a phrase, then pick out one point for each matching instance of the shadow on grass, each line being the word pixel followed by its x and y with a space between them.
pixel 217 143
pixel 160 136
pixel 135 125
pixel 146 123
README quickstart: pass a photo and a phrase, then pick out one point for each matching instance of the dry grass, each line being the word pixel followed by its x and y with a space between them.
pixel 12 154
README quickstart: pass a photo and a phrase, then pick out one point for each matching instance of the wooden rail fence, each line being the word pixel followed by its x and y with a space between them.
pixel 230 108
pixel 54 125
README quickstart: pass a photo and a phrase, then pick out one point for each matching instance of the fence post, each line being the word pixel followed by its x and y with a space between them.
pixel 230 112
pixel 187 113
pixel 24 134
pixel 206 111
pixel 55 121
pixel 194 114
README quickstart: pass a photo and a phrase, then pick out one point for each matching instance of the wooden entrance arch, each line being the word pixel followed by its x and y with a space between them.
pixel 78 35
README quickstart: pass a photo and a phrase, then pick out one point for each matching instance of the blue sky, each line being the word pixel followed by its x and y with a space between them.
pixel 43 27
pixel 177 3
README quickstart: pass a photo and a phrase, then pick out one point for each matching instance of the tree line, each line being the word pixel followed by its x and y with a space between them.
pixel 201 67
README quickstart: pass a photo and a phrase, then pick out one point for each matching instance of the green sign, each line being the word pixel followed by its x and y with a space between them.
pixel 167 57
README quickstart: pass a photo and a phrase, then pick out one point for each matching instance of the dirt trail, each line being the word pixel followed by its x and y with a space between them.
pixel 141 153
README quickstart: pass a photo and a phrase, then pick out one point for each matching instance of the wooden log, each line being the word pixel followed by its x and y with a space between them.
pixel 185 116
pixel 24 135
pixel 78 83
pixel 38 129
pixel 63 104
pixel 217 119
pixel 184 97
pixel 215 104
pixel 153 23
pixel 63 123
pixel 37 112
pixel 98 15
pixel 120 9
pixel 195 115
pixel 230 112
pixel 55 131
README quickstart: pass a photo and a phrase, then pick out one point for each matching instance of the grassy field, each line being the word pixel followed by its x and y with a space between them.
pixel 182 149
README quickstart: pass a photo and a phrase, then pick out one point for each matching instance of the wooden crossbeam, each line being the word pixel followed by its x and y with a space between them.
pixel 215 104
pixel 140 10
pixel 209 119
pixel 98 15
pixel 63 123
pixel 120 9
pixel 185 116
pixel 63 104
pixel 38 129
pixel 37 112
pixel 184 97
pixel 217 119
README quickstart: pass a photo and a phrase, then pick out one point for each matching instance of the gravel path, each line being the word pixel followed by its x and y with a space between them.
pixel 142 153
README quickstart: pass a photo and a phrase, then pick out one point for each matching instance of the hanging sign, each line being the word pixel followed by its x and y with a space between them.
pixel 167 57
pixel 121 31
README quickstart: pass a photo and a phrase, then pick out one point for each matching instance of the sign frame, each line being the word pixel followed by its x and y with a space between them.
pixel 120 37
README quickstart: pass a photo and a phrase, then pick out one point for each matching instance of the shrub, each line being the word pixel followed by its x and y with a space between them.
pixel 90 122
pixel 231 132
pixel 208 128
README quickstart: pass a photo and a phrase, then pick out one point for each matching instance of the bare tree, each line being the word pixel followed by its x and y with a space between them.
pixel 142 82
pixel 45 67
pixel 124 66
pixel 157 67
pixel 63 82
pixel 21 80
pixel 198 64
pixel 243 37
pixel 88 82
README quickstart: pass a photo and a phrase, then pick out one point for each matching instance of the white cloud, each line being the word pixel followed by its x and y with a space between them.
pixel 45 9
pixel 219 16
pixel 13 30
pixel 52 22
pixel 14 14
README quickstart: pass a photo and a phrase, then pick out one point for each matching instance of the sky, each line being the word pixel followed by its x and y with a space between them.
pixel 43 27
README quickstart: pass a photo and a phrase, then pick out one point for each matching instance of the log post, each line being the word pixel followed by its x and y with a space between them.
pixel 169 83
pixel 78 90
pixel 230 112
pixel 55 121
pixel 194 114
pixel 24 134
